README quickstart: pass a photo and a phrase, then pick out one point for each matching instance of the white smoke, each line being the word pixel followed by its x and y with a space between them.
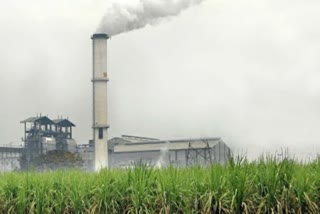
pixel 121 18
pixel 164 156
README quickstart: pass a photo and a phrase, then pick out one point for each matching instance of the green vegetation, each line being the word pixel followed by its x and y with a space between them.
pixel 52 160
pixel 264 186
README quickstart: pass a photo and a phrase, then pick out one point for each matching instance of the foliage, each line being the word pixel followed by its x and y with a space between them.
pixel 52 160
pixel 265 186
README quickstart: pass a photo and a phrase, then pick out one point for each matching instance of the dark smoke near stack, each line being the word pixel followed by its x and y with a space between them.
pixel 123 18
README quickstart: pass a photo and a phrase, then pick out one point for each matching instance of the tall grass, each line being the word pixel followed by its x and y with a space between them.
pixel 265 186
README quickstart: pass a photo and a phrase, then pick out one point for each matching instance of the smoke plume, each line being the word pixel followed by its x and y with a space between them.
pixel 121 18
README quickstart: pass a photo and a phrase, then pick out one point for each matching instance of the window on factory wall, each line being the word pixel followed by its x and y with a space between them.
pixel 100 133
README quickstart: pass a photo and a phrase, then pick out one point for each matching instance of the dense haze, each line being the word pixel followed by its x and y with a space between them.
pixel 247 71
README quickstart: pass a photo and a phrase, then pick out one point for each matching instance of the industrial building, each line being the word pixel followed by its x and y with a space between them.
pixel 130 150
pixel 41 134
pixel 9 157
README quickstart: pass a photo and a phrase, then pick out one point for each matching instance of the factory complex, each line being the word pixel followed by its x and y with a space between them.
pixel 42 134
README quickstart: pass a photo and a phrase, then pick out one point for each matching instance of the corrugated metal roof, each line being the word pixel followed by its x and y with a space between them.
pixel 63 122
pixel 138 138
pixel 43 120
pixel 126 142
pixel 168 145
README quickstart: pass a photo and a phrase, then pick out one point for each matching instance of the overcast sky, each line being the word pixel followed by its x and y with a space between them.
pixel 246 71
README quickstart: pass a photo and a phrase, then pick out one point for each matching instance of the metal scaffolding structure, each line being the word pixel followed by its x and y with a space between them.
pixel 35 129
pixel 63 132
pixel 41 135
pixel 40 131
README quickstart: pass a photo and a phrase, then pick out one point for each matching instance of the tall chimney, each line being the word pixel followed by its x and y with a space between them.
pixel 99 86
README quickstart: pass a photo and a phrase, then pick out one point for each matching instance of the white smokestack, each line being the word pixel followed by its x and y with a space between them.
pixel 121 18
pixel 100 103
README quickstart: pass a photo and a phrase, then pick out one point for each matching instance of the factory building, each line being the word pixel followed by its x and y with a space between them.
pixel 42 134
pixel 127 151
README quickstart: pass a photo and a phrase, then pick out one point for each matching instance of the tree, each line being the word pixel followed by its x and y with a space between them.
pixel 52 160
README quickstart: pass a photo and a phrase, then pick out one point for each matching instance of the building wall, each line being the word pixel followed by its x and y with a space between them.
pixel 9 161
pixel 127 159
pixel 87 155
pixel 220 153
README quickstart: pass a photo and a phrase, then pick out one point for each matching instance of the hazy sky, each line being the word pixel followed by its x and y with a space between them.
pixel 246 71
